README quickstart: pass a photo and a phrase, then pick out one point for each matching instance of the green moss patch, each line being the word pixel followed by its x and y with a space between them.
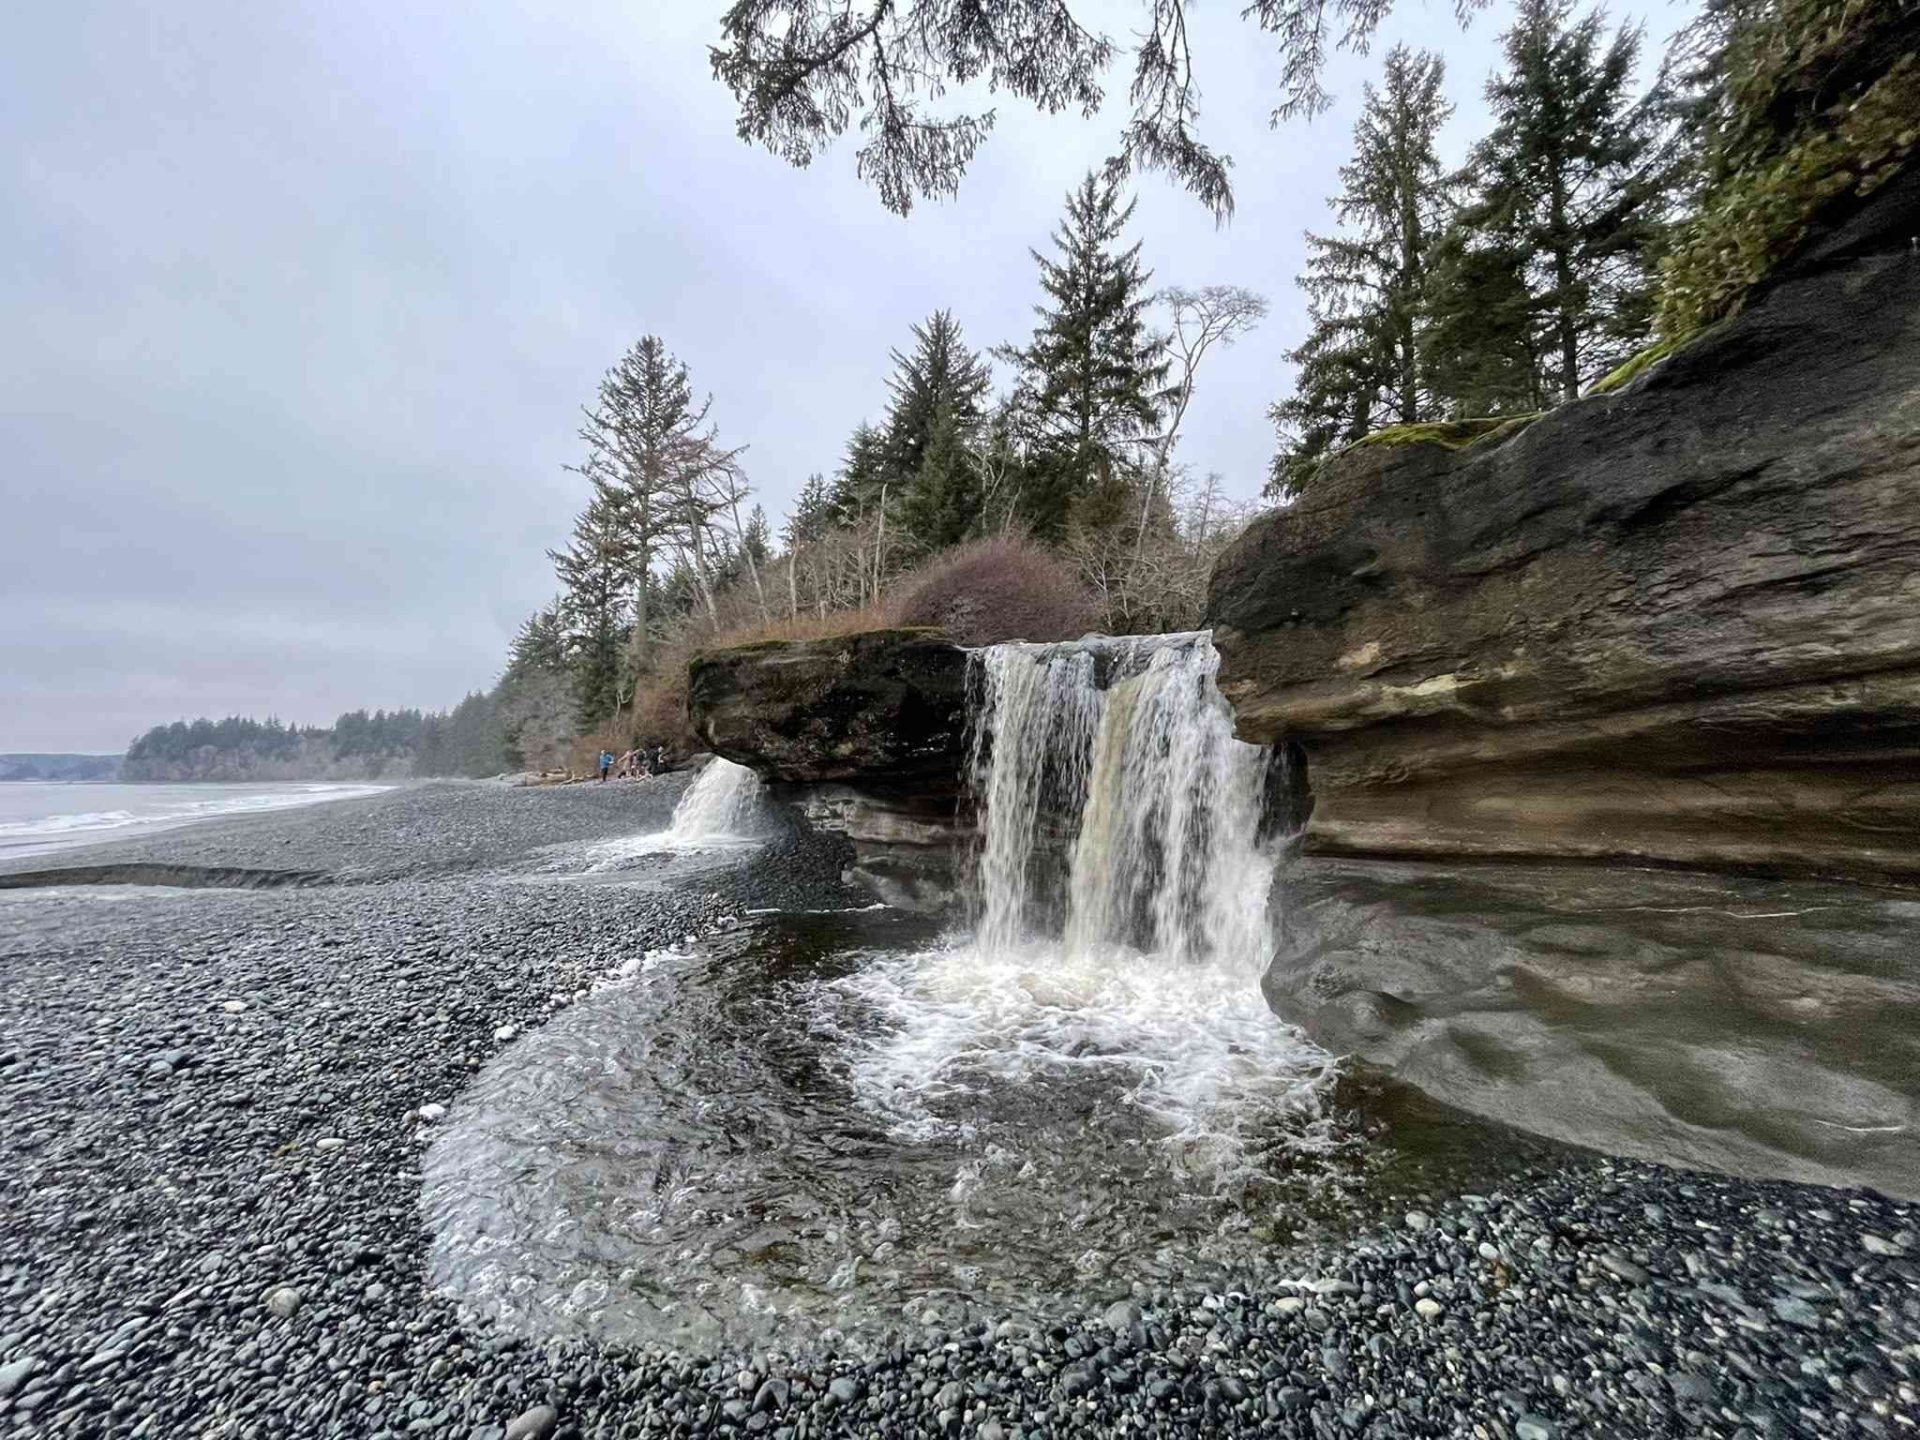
pixel 1448 434
pixel 1756 219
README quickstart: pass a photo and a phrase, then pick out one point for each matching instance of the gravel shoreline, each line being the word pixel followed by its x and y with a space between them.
pixel 209 1196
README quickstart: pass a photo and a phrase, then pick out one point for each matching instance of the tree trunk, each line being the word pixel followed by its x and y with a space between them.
pixel 1563 279
pixel 753 570
pixel 642 636
pixel 700 579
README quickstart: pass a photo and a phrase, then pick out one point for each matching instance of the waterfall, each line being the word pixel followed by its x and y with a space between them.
pixel 719 811
pixel 721 806
pixel 1121 922
pixel 1118 810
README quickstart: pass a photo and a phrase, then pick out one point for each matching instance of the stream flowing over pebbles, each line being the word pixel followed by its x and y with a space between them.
pixel 178 1256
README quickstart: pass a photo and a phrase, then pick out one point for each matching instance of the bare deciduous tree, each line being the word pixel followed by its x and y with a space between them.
pixel 1201 319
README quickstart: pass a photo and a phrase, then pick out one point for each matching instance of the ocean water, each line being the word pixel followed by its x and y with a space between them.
pixel 37 816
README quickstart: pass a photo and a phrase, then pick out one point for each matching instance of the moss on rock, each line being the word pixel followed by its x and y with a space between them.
pixel 1637 365
pixel 1448 434
pixel 1760 215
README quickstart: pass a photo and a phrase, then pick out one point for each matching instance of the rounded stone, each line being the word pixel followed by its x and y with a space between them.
pixel 283 1301
pixel 845 1390
pixel 534 1424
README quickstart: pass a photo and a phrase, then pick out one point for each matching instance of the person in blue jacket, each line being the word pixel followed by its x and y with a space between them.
pixel 606 763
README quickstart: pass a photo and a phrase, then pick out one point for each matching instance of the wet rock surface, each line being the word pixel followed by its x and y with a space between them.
pixel 179 1254
pixel 884 706
pixel 1761 1027
pixel 864 733
pixel 1675 622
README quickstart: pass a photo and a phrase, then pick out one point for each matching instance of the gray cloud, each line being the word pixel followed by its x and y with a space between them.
pixel 300 303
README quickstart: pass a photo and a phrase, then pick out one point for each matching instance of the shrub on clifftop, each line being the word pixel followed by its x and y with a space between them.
pixel 988 591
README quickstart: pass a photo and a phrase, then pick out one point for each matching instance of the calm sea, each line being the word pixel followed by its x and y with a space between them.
pixel 40 815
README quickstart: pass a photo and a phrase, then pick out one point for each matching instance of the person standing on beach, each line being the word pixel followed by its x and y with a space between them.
pixel 606 764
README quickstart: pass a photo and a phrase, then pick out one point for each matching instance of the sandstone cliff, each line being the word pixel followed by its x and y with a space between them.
pixel 1676 623
pixel 887 704
pixel 864 732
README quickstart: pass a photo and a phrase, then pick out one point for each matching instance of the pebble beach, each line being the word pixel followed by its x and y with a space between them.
pixel 217 1095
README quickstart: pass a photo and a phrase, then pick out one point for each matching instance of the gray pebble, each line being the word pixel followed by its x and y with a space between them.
pixel 845 1390
pixel 1797 1312
pixel 283 1301
pixel 1624 1268
pixel 14 1374
pixel 534 1424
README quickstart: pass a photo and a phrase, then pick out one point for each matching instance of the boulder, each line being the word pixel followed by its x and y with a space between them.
pixel 865 734
pixel 885 706
pixel 1678 622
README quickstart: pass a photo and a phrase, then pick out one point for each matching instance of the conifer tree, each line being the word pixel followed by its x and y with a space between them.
pixel 641 427
pixel 941 505
pixel 1091 374
pixel 540 644
pixel 940 392
pixel 863 476
pixel 1359 366
pixel 1481 350
pixel 812 514
pixel 803 71
pixel 756 538
pixel 1569 185
pixel 595 570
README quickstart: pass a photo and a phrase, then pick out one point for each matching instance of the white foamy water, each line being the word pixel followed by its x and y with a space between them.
pixel 1196 1050
pixel 722 809
pixel 38 816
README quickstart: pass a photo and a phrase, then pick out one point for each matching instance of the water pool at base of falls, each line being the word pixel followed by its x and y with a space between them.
pixel 825 1126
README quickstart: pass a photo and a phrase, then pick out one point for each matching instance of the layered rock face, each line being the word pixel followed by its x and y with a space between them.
pixel 884 703
pixel 1668 639
pixel 1678 623
pixel 864 732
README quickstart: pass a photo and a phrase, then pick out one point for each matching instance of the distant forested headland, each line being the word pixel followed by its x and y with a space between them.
pixel 470 739
pixel 59 767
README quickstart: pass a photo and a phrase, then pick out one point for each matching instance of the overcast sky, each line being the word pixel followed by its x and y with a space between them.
pixel 299 302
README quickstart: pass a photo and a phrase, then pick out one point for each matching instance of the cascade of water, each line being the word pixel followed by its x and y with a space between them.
pixel 1035 710
pixel 722 804
pixel 1119 753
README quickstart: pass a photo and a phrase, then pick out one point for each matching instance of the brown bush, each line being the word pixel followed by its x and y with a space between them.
pixel 989 591
pixel 659 714
pixel 583 751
